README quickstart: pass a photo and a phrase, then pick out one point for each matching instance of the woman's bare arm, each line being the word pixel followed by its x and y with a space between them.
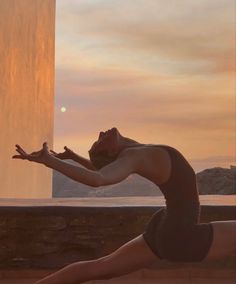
pixel 115 172
pixel 123 166
pixel 77 173
pixel 126 164
pixel 83 161
pixel 69 154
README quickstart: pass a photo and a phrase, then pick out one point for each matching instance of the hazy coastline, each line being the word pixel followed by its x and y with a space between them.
pixel 214 181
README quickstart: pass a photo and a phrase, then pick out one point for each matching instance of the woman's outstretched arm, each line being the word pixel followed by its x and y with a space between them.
pixel 83 161
pixel 113 173
pixel 121 168
pixel 69 154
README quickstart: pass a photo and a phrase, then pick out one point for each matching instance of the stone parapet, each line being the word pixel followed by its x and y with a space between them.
pixel 50 237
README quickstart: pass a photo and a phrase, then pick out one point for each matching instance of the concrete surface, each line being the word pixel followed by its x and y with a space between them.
pixel 143 276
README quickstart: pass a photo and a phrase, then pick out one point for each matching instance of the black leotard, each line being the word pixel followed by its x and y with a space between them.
pixel 174 232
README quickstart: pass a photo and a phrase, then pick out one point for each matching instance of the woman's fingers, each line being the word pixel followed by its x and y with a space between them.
pixel 22 155
pixel 45 146
pixel 45 149
pixel 20 151
pixel 18 157
pixel 53 152
pixel 67 149
pixel 19 148
pixel 36 156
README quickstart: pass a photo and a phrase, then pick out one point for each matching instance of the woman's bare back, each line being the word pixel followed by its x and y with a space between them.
pixel 154 162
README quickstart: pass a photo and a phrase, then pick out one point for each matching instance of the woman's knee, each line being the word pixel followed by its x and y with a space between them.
pixel 101 268
pixel 130 257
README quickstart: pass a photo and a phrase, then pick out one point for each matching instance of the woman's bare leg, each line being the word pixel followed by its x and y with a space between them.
pixel 224 240
pixel 132 256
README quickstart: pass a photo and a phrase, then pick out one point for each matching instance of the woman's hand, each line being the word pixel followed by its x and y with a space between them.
pixel 67 154
pixel 40 156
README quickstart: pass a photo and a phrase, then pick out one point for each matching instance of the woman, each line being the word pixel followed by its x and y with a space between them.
pixel 173 233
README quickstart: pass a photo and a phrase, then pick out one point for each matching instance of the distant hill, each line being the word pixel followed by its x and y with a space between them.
pixel 134 185
pixel 210 181
pixel 217 181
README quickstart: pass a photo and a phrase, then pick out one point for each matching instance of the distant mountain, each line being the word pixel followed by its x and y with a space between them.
pixel 210 181
pixel 134 185
pixel 217 181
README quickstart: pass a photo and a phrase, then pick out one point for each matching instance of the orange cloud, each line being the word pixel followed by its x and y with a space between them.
pixel 160 73
pixel 190 37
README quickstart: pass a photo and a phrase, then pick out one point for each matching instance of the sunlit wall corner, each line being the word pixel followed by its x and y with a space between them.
pixel 27 43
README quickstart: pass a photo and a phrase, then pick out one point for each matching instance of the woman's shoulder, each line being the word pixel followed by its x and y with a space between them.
pixel 151 149
pixel 156 146
pixel 153 161
pixel 147 145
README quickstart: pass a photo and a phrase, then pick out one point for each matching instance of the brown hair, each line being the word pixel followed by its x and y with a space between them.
pixel 101 159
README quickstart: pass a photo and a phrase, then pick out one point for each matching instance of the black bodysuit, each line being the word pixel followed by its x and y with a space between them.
pixel 174 232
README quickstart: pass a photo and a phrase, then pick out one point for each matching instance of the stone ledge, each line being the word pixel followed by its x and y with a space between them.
pixel 50 237
pixel 113 201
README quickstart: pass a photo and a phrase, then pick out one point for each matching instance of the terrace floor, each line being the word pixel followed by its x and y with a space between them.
pixel 144 276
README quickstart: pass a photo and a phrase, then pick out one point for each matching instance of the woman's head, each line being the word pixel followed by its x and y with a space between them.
pixel 106 149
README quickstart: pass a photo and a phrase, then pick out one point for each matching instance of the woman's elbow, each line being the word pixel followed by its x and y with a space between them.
pixel 93 181
pixel 96 184
pixel 98 181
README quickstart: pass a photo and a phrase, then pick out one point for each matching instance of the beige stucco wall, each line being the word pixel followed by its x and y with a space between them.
pixel 27 36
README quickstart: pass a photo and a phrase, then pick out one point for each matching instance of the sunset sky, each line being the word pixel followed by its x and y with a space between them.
pixel 162 72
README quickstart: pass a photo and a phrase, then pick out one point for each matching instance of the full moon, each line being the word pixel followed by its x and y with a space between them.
pixel 63 109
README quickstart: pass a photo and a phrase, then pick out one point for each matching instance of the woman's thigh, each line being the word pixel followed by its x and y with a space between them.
pixel 131 256
pixel 224 240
